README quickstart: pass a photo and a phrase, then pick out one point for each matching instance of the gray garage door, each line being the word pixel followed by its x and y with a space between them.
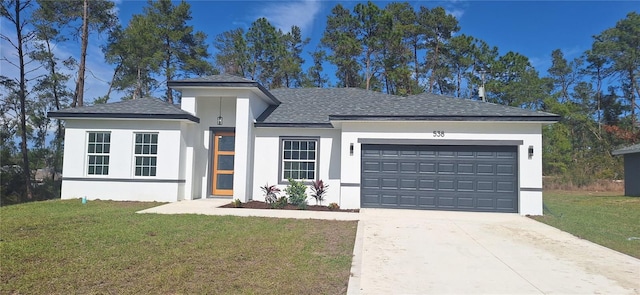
pixel 463 178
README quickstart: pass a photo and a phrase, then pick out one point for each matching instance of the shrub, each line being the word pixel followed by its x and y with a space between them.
pixel 333 206
pixel 237 203
pixel 303 205
pixel 280 203
pixel 297 192
pixel 270 193
pixel 318 191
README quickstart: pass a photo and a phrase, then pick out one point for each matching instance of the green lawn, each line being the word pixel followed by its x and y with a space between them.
pixel 103 247
pixel 604 219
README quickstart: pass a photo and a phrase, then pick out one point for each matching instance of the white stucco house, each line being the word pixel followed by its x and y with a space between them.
pixel 231 135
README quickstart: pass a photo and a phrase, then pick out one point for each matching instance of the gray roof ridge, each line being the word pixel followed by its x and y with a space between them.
pixel 631 149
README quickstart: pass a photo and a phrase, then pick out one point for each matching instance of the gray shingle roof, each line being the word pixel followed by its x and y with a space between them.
pixel 223 80
pixel 143 108
pixel 319 106
pixel 217 78
pixel 627 150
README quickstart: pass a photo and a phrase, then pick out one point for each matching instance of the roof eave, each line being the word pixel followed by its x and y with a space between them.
pixel 71 115
pixel 544 119
pixel 248 84
pixel 294 125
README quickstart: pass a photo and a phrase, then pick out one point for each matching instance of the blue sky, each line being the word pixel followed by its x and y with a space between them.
pixel 532 28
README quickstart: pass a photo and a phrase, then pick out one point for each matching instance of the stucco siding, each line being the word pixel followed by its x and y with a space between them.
pixel 77 182
pixel 267 157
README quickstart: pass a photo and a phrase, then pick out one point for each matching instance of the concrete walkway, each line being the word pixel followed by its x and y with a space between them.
pixel 437 252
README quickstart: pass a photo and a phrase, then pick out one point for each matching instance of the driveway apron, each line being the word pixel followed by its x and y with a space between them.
pixel 438 252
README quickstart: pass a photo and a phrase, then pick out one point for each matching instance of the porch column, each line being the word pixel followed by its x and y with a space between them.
pixel 243 149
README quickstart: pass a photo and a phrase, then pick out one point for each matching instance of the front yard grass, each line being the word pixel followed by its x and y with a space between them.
pixel 66 247
pixel 611 221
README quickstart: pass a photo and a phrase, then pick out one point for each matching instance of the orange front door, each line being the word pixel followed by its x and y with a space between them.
pixel 223 158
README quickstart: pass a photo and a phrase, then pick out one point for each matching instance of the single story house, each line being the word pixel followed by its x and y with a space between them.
pixel 231 135
pixel 631 156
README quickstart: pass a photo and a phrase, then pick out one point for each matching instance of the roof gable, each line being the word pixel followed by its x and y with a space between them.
pixel 143 108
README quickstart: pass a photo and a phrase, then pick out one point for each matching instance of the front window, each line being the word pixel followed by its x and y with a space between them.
pixel 146 150
pixel 98 146
pixel 299 159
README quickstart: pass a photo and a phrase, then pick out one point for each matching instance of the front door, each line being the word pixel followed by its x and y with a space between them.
pixel 223 154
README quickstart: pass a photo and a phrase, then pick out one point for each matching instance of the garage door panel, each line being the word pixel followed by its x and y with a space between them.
pixel 427 167
pixel 505 187
pixel 389 166
pixel 466 202
pixel 470 178
pixel 446 202
pixel 465 186
pixel 445 185
pixel 390 183
pixel 411 184
pixel 505 170
pixel 466 168
pixel 370 183
pixel 446 168
pixel 487 169
pixel 408 200
pixel 371 166
pixel 409 167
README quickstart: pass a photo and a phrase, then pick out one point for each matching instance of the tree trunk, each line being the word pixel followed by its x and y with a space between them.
pixel 59 136
pixel 79 99
pixel 433 67
pixel 22 93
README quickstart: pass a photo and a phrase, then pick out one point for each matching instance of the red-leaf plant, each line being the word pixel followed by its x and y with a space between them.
pixel 270 193
pixel 318 191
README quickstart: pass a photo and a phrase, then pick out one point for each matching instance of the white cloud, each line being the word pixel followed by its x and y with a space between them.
pixel 283 15
pixel 457 13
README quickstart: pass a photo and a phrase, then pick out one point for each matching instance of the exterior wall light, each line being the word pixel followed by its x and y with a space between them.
pixel 530 151
pixel 220 113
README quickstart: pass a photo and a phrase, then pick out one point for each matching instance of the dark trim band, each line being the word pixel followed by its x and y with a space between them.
pixel 65 115
pixel 295 125
pixel 530 189
pixel 548 118
pixel 125 180
pixel 439 142
pixel 349 184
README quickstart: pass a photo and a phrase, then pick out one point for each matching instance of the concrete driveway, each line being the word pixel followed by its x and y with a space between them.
pixel 437 252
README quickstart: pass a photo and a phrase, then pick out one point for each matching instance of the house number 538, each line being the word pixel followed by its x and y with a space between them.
pixel 438 133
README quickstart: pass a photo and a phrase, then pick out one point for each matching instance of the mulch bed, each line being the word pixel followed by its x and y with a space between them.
pixel 263 205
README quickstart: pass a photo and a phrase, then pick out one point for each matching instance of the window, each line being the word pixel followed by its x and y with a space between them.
pixel 299 159
pixel 146 149
pixel 98 146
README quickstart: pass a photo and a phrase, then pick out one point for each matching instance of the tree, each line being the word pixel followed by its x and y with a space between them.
pixel 369 26
pixel 182 51
pixel 82 17
pixel 232 56
pixel 134 51
pixel 515 82
pixel 290 68
pixel 340 36
pixel 14 11
pixel 620 48
pixel 437 27
pixel 315 76
pixel 460 52
pixel 266 51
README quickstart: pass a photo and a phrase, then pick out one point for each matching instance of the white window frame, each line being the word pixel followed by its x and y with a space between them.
pixel 292 151
pixel 98 150
pixel 145 154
